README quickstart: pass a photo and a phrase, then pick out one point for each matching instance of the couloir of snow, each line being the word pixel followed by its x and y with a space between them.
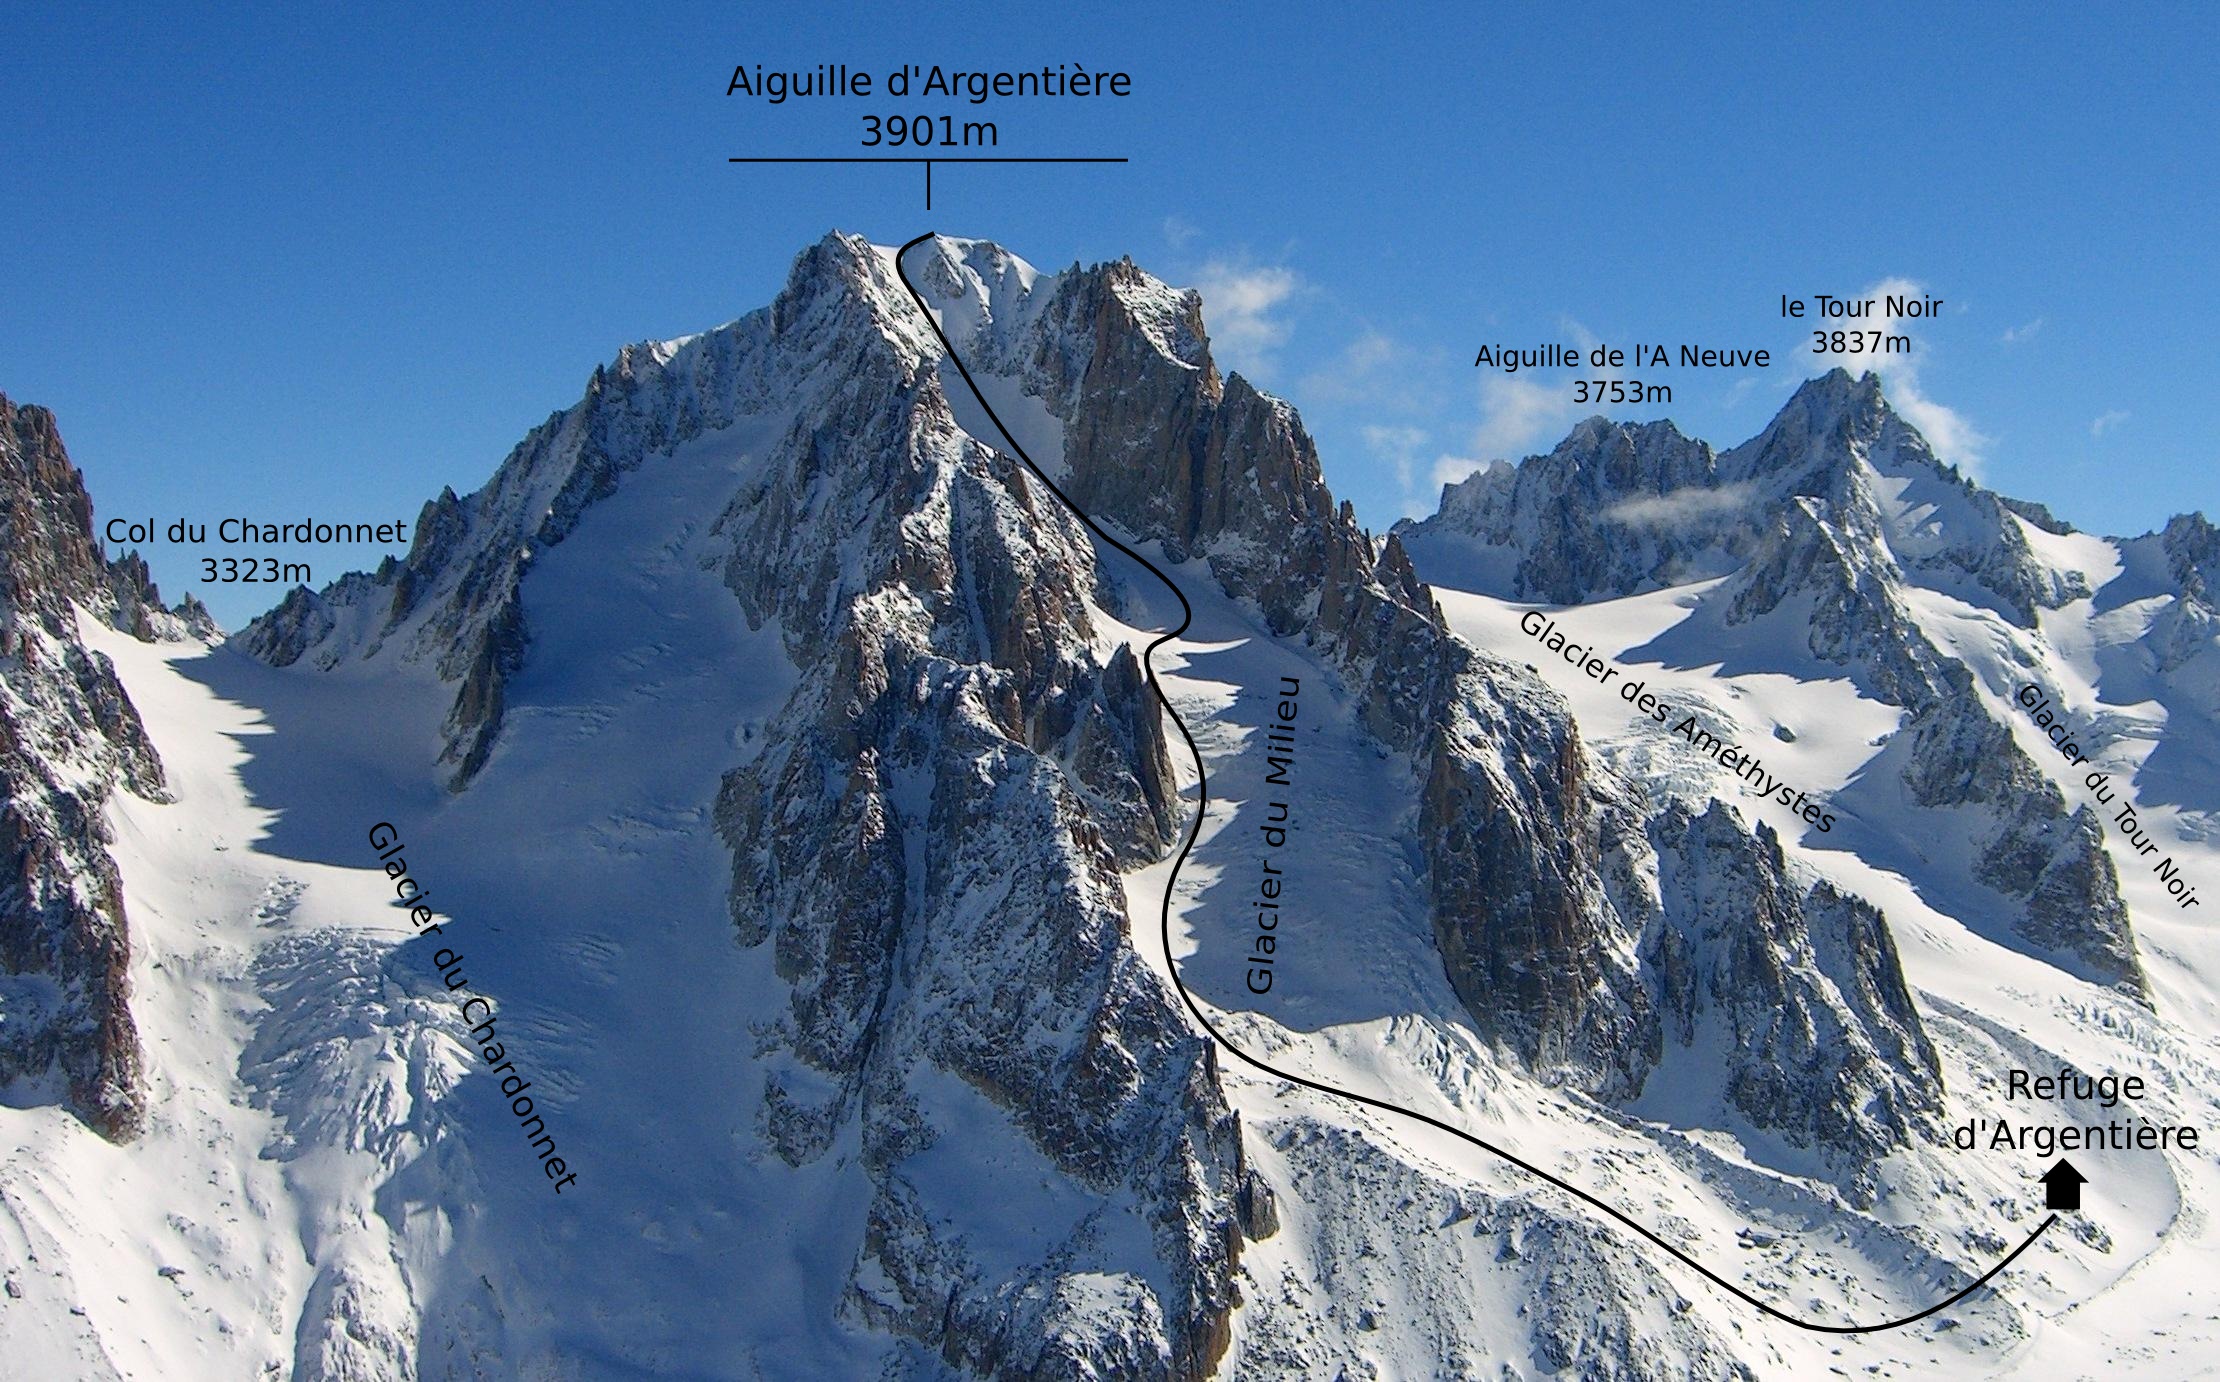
pixel 1360 1002
pixel 329 1155
pixel 325 1127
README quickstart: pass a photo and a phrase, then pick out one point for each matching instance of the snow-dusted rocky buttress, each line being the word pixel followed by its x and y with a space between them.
pixel 778 755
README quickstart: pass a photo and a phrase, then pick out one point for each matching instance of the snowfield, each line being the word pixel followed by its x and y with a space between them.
pixel 333 1184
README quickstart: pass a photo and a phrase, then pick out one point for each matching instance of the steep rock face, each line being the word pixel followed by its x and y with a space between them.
pixel 926 838
pixel 1656 496
pixel 1795 994
pixel 1826 521
pixel 2031 846
pixel 1838 441
pixel 931 842
pixel 68 736
pixel 1619 508
pixel 1158 444
pixel 1817 564
pixel 1830 563
pixel 2192 547
pixel 1540 885
pixel 1517 838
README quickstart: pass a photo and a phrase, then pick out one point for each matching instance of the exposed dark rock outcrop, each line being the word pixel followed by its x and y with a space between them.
pixel 1526 851
pixel 1159 445
pixel 1796 992
pixel 954 906
pixel 927 838
pixel 68 737
pixel 1823 522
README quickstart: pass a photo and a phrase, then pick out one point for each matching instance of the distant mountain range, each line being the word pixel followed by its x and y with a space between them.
pixel 778 755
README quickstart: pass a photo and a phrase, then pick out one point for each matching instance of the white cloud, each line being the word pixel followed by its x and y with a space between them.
pixel 1954 438
pixel 2017 334
pixel 1672 510
pixel 1520 413
pixel 1241 303
pixel 1179 232
pixel 1369 352
pixel 1515 410
pixel 1950 432
pixel 1399 447
pixel 2108 420
pixel 1380 374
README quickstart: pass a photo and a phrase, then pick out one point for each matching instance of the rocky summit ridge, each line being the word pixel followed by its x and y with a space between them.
pixel 944 786
pixel 998 764
pixel 1830 526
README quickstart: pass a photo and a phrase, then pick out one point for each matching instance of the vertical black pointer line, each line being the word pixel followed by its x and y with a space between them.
pixel 928 162
pixel 1194 830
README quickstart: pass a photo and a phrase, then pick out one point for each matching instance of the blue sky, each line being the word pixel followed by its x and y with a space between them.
pixel 284 268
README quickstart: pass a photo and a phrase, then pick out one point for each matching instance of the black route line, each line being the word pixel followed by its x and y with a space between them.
pixel 1194 830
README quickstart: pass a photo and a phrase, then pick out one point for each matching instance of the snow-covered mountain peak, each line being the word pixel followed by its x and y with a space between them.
pixel 983 294
pixel 784 756
pixel 2192 546
pixel 1663 509
pixel 946 757
pixel 1835 402
pixel 1834 538
pixel 1831 427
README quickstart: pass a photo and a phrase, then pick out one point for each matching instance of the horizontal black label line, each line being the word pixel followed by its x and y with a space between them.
pixel 929 158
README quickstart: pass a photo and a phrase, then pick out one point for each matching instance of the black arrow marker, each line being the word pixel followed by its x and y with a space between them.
pixel 1194 832
pixel 2062 1186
